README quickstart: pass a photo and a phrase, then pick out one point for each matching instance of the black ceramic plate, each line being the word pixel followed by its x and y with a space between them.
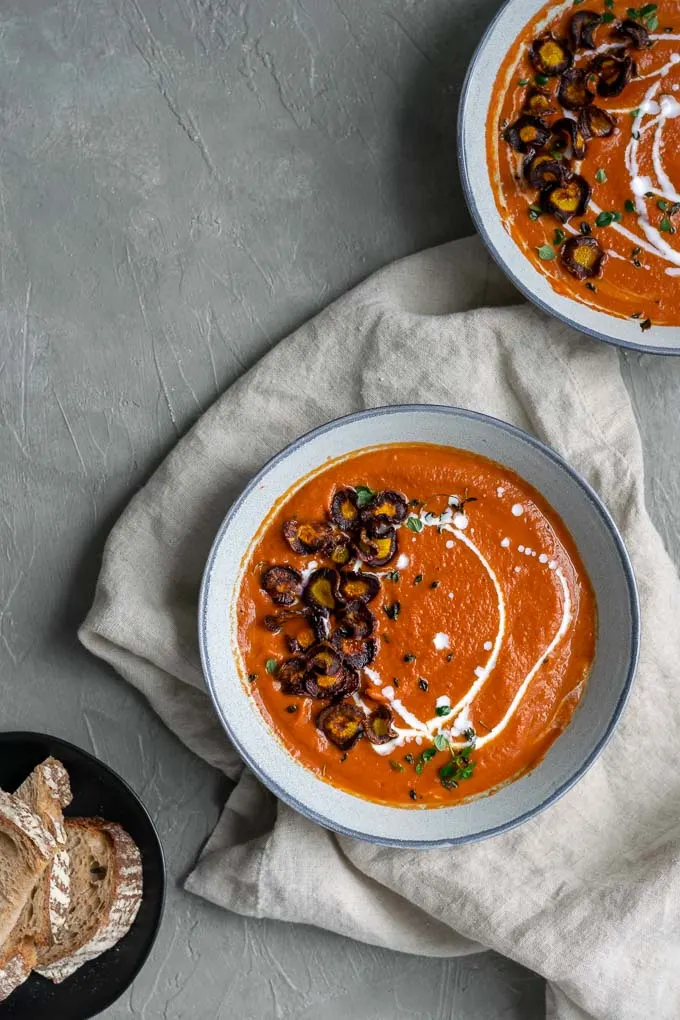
pixel 96 791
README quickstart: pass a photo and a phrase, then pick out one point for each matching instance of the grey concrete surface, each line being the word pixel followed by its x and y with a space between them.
pixel 181 182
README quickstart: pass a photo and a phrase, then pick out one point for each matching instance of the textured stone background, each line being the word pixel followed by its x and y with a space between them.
pixel 181 182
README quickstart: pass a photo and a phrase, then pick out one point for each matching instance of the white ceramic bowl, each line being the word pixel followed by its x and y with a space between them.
pixel 474 169
pixel 605 560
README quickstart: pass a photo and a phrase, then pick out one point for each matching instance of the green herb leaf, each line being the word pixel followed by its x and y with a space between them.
pixel 546 252
pixel 291 709
pixel 393 575
pixel 396 765
pixel 449 657
pixel 469 734
pixel 666 226
pixel 607 17
pixel 609 3
pixel 635 112
pixel 559 236
pixel 584 227
pixel 413 795
pixel 541 79
pixel 252 677
pixel 393 610
pixel 418 579
pixel 271 665
pixel 434 584
pixel 647 9
pixel 441 741
pixel 423 684
pixel 601 176
pixel 577 2
pixel 523 82
pixel 645 325
pixel 442 710
pixel 629 205
pixel 414 524
pixel 419 767
pixel 364 495
pixel 534 212
pixel 632 12
pixel 636 315
pixel 636 135
pixel 662 204
pixel 616 216
pixel 604 219
pixel 409 658
pixel 428 754
pixel 409 758
pixel 557 154
pixel 652 23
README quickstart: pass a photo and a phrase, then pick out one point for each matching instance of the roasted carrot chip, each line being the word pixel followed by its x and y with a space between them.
pixel 357 620
pixel 332 685
pixel 582 256
pixel 550 56
pixel 541 170
pixel 377 545
pixel 324 659
pixel 339 550
pixel 614 73
pixel 356 652
pixel 322 589
pixel 378 727
pixel 633 31
pixel 527 134
pixel 306 537
pixel 344 509
pixel 387 507
pixel 538 103
pixel 282 584
pixel 568 139
pixel 363 587
pixel 581 28
pixel 596 123
pixel 291 675
pixel 567 200
pixel 342 724
pixel 574 91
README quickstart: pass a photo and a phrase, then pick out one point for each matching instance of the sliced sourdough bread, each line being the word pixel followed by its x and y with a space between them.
pixel 26 848
pixel 46 792
pixel 106 892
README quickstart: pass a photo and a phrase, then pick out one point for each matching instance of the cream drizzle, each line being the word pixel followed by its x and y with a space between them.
pixel 458 719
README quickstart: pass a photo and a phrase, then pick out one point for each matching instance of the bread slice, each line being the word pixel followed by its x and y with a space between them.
pixel 106 892
pixel 46 792
pixel 26 848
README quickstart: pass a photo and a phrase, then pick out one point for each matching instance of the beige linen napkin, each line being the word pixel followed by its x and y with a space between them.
pixel 588 893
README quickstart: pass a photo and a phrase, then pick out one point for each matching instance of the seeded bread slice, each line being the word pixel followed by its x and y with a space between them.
pixel 26 848
pixel 46 792
pixel 106 892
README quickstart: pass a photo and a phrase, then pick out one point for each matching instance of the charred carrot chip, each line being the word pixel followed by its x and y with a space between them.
pixel 322 589
pixel 574 91
pixel 356 652
pixel 339 550
pixel 567 138
pixel 377 546
pixel 291 675
pixel 357 620
pixel 332 685
pixel 634 32
pixel 614 73
pixel 342 724
pixel 363 587
pixel 581 28
pixel 538 103
pixel 387 507
pixel 324 659
pixel 527 134
pixel 282 584
pixel 550 56
pixel 582 256
pixel 275 622
pixel 344 508
pixel 596 123
pixel 541 169
pixel 378 727
pixel 302 641
pixel 567 200
pixel 307 537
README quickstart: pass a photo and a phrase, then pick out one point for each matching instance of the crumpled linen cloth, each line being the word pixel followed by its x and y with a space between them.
pixel 587 893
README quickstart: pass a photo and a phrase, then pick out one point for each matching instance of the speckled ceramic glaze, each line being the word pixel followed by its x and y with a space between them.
pixel 475 101
pixel 604 557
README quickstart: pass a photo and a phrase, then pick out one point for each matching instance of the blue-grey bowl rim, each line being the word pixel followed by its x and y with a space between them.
pixel 544 449
pixel 482 231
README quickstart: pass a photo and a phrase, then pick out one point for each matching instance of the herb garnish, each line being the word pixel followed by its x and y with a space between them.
pixel 609 3
pixel 413 795
pixel 393 610
pixel 409 657
pixel 441 741
pixel 601 176
pixel 393 575
pixel 449 657
pixel 422 683
pixel 442 710
pixel 252 677
pixel 343 757
pixel 585 227
pixel 629 205
pixel 636 315
pixel 546 252
pixel 534 212
pixel 409 758
pixel 607 17
pixel 662 204
pixel 523 81
pixel 604 218
pixel 396 765
pixel 645 325
pixel 364 495
pixel 417 579
pixel 559 236
pixel 291 708
pixel 460 767
pixel 666 226
pixel 434 584
pixel 414 524
pixel 271 665
pixel 541 79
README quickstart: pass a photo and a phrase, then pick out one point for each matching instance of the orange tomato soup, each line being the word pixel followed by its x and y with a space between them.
pixel 583 148
pixel 415 624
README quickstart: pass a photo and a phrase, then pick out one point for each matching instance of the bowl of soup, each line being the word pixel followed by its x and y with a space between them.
pixel 569 145
pixel 418 625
